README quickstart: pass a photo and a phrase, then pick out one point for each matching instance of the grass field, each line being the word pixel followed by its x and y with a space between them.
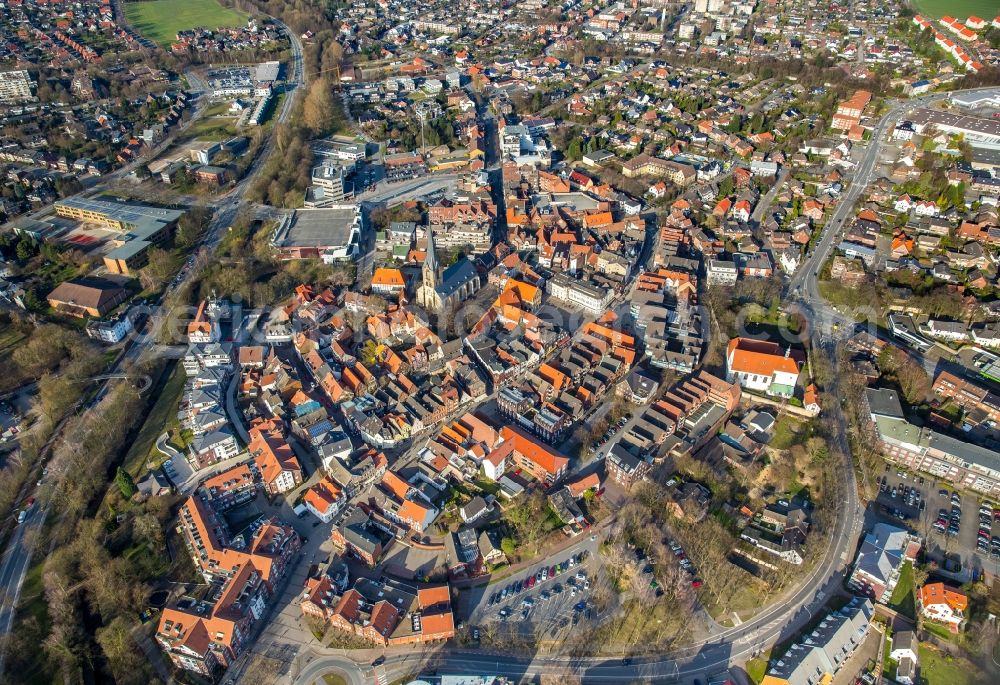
pixel 960 9
pixel 162 417
pixel 160 20
pixel 940 669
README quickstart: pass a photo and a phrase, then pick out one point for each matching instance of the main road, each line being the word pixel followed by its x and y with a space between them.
pixel 16 558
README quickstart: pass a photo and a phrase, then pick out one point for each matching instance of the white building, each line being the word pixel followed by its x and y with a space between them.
pixel 590 298
pixel 722 271
pixel 16 86
pixel 940 603
pixel 948 330
pixel 215 446
pixel 111 331
pixel 761 366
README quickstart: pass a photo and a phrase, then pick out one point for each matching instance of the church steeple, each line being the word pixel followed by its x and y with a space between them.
pixel 430 262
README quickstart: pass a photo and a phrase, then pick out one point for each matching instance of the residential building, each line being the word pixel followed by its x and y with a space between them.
pixel 16 86
pixel 822 653
pixel 275 459
pixel 388 281
pixel 721 272
pixel 357 535
pixel 209 631
pixel 385 611
pixel 110 331
pixel 592 299
pixel 324 500
pixel 920 448
pixel 624 467
pixel 535 459
pixel 213 446
pixel 980 404
pixel 938 602
pixel 880 560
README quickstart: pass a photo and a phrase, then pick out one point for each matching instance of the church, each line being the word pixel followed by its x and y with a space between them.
pixel 440 288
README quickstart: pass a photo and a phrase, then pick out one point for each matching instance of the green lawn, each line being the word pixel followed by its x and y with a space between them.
pixel 785 433
pixel 941 669
pixel 902 599
pixel 756 669
pixel 212 128
pixel 960 9
pixel 162 417
pixel 160 20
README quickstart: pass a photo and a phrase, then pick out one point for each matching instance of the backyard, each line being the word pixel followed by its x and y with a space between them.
pixel 937 667
pixel 160 20
pixel 902 599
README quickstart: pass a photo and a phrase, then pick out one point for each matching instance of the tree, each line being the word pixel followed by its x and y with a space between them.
pixel 26 249
pixel 574 151
pixel 125 483
pixel 125 660
pixel 148 528
pixel 369 353
pixel 726 187
pixel 318 108
pixel 191 226
pixel 160 268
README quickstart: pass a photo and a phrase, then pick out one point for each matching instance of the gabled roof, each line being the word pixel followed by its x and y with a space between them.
pixel 759 358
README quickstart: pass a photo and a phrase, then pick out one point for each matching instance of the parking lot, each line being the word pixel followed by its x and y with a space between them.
pixel 949 522
pixel 545 598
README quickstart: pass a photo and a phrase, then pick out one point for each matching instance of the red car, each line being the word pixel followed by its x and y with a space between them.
pixel 531 581
pixel 31 501
pixel 696 584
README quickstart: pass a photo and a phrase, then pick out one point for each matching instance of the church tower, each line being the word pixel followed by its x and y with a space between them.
pixel 430 262
pixel 427 295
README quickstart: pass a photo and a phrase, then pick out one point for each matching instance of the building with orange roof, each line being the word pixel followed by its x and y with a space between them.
pixel 526 453
pixel 943 604
pixel 401 502
pixel 384 611
pixel 324 500
pixel 761 366
pixel 581 485
pixel 231 487
pixel 203 329
pixel 204 633
pixel 388 281
pixel 528 295
pixel 274 458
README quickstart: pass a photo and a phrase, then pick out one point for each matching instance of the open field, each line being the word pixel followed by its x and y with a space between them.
pixel 936 667
pixel 160 20
pixel 986 9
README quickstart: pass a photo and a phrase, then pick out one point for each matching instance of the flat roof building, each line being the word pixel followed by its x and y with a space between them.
pixel 331 234
pixel 16 86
